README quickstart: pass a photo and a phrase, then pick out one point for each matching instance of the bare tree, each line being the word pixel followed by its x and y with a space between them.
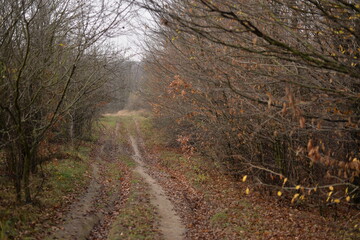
pixel 43 46
pixel 266 87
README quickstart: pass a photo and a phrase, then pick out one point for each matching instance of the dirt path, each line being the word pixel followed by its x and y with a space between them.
pixel 225 213
pixel 87 220
pixel 170 224
pixel 81 218
pixel 87 216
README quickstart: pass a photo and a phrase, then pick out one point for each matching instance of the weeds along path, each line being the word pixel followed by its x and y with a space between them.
pixel 109 208
pixel 90 216
pixel 170 224
pixel 81 218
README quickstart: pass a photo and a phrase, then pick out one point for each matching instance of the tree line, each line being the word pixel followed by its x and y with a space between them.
pixel 57 72
pixel 266 88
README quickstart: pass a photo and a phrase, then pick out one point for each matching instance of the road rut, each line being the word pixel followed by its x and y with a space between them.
pixel 170 224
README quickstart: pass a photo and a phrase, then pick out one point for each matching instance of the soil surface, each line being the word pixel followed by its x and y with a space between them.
pixel 188 204
pixel 82 217
pixel 88 216
pixel 91 216
pixel 170 224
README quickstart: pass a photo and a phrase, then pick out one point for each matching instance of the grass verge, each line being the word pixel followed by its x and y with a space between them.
pixel 63 180
pixel 137 219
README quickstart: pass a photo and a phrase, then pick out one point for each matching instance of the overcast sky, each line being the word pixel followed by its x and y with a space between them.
pixel 134 37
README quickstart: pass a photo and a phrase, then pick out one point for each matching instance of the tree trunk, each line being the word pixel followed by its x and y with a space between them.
pixel 17 183
pixel 27 178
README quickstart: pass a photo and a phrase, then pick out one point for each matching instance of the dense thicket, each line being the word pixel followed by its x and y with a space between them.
pixel 267 88
pixel 55 75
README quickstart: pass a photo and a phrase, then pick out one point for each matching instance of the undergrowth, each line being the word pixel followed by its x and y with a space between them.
pixel 58 182
pixel 237 210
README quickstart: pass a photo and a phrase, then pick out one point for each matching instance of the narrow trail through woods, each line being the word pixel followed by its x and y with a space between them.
pixel 82 217
pixel 170 224
pixel 86 220
pixel 138 191
pixel 92 210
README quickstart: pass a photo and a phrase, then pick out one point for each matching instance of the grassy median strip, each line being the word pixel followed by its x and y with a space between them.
pixel 137 219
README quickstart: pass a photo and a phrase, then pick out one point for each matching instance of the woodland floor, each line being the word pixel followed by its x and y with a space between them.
pixel 136 187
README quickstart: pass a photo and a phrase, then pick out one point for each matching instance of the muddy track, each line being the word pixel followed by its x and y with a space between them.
pixel 188 202
pixel 85 219
pixel 170 223
pixel 82 217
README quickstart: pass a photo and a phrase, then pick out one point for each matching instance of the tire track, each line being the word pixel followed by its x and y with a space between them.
pixel 170 223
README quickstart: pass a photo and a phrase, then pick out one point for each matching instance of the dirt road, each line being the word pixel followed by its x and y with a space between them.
pixel 170 224
pixel 92 215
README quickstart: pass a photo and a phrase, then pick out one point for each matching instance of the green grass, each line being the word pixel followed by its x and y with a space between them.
pixel 68 174
pixel 128 161
pixel 109 121
pixel 137 219
pixel 104 122
pixel 219 218
pixel 152 136
pixel 128 124
pixel 112 171
pixel 63 177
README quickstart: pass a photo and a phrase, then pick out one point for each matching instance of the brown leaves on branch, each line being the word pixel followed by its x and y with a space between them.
pixel 276 85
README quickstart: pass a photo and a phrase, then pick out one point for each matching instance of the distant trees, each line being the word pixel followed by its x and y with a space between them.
pixel 128 90
pixel 53 70
pixel 269 88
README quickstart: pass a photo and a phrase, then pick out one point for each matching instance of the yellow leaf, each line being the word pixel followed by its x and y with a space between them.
pixel 285 180
pixel 331 188
pixel 346 190
pixel 329 194
pixel 297 187
pixel 295 197
pixel 342 50
pixel 302 197
pixel 279 193
pixel 247 191
pixel 348 198
pixel 337 200
pixel 244 178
